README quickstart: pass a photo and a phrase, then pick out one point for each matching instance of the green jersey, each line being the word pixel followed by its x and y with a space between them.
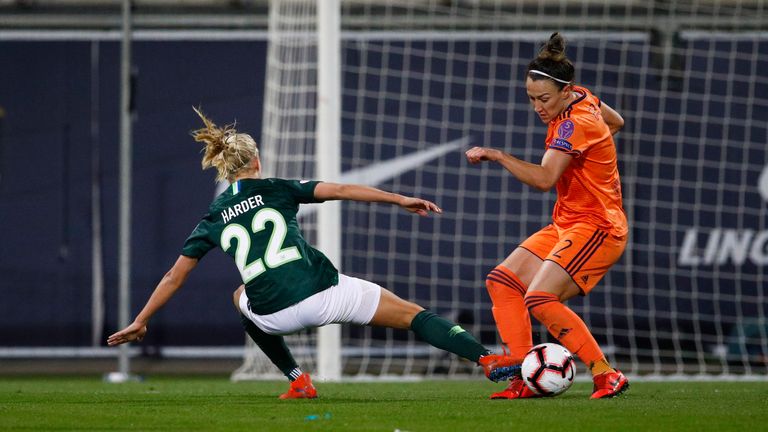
pixel 254 221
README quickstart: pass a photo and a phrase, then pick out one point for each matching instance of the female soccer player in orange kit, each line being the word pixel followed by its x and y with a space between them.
pixel 588 232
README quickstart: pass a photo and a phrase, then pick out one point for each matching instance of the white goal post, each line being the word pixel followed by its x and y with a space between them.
pixel 420 81
pixel 328 159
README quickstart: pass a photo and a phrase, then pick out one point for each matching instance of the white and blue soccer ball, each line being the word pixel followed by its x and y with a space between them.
pixel 549 369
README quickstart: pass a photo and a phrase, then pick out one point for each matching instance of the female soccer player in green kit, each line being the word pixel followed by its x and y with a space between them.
pixel 288 285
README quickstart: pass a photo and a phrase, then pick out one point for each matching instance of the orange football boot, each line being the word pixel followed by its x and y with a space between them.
pixel 515 390
pixel 500 367
pixel 301 388
pixel 609 384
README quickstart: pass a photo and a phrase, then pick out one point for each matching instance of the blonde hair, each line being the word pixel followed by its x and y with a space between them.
pixel 225 149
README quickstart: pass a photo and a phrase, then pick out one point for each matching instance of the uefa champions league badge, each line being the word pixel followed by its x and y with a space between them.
pixel 565 130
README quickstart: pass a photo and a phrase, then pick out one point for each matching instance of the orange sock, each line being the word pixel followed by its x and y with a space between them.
pixel 566 326
pixel 601 366
pixel 509 311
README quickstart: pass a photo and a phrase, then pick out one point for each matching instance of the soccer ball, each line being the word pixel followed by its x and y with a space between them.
pixel 548 369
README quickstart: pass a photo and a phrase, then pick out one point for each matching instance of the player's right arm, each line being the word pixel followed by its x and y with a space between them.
pixel 542 177
pixel 611 117
pixel 171 282
pixel 336 191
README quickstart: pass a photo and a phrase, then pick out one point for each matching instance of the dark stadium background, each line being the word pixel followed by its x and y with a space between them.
pixel 45 183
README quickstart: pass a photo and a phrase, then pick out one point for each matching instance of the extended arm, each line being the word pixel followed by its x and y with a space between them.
pixel 611 117
pixel 171 282
pixel 541 177
pixel 337 191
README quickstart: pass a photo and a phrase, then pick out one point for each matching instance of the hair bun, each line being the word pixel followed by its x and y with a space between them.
pixel 553 49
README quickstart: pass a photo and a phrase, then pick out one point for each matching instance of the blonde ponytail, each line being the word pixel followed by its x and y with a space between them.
pixel 225 149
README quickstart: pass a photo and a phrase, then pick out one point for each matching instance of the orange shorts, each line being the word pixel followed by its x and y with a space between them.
pixel 585 252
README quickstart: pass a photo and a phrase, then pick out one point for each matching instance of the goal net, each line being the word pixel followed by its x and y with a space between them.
pixel 423 80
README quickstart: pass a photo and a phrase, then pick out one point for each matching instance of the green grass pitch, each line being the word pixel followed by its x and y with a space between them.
pixel 194 403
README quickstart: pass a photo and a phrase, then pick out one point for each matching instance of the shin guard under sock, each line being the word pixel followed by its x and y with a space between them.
pixel 446 335
pixel 512 319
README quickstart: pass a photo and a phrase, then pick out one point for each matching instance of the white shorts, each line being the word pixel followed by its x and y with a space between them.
pixel 353 300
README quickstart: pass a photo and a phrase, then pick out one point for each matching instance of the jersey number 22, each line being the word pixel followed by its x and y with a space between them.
pixel 274 255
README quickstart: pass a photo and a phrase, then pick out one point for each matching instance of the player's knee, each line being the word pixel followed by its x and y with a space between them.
pixel 395 312
pixel 501 287
pixel 561 292
pixel 409 313
pixel 494 288
pixel 536 302
pixel 406 312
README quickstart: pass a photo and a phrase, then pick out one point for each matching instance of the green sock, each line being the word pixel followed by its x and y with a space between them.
pixel 273 346
pixel 446 335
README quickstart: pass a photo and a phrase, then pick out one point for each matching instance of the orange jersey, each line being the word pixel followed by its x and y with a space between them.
pixel 589 190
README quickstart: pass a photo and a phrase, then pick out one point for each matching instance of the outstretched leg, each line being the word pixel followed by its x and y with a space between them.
pixel 441 333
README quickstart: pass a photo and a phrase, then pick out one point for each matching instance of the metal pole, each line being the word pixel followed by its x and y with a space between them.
pixel 124 264
pixel 328 157
pixel 97 263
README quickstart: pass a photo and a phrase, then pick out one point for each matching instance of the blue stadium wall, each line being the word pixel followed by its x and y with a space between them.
pixel 45 188
pixel 46 146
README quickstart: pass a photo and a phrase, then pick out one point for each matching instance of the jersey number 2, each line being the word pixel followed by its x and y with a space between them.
pixel 274 255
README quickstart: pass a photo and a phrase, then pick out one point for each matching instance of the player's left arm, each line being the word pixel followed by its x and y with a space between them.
pixel 171 282
pixel 337 191
pixel 611 117
pixel 542 177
